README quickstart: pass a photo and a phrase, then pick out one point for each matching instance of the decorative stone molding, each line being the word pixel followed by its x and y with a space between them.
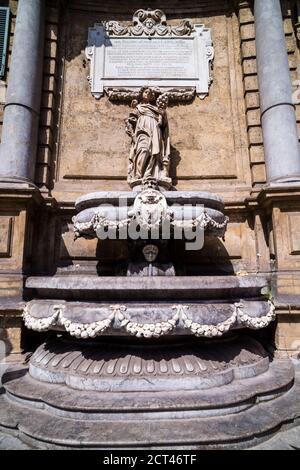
pixel 254 322
pixel 208 331
pixel 86 330
pixel 174 95
pixel 119 316
pixel 150 209
pixel 177 360
pixel 148 330
pixel 203 221
pixel 42 324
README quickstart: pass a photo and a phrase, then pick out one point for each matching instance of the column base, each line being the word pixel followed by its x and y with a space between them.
pixel 14 181
pixel 295 179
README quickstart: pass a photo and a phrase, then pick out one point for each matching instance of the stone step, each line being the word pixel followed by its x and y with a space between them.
pixel 24 390
pixel 243 429
pixel 154 288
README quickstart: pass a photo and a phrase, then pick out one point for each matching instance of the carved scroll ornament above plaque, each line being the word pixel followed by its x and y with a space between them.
pixel 173 59
pixel 149 23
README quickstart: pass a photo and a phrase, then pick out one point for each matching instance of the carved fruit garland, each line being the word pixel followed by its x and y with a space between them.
pixel 146 330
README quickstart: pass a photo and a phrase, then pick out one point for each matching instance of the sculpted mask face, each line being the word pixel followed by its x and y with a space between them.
pixel 149 23
pixel 150 252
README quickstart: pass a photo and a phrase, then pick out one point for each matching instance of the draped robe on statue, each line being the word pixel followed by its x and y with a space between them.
pixel 150 150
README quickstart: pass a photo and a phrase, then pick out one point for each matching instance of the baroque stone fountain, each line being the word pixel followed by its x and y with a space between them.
pixel 146 357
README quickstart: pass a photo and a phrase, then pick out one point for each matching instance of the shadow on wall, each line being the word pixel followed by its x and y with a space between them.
pixel 111 257
pixel 31 340
pixel 212 260
pixel 174 163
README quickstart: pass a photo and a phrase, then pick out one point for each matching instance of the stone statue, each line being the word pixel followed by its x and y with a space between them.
pixel 148 128
pixel 150 267
pixel 150 253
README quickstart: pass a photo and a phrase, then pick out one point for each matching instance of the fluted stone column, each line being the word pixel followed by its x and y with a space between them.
pixel 22 108
pixel 278 119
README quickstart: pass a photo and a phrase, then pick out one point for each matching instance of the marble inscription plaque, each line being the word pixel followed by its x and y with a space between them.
pixel 149 53
pixel 150 59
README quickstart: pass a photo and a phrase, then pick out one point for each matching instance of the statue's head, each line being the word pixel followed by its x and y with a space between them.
pixel 150 253
pixel 147 95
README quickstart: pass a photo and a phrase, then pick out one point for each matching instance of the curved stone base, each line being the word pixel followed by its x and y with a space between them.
pixel 216 394
pixel 132 367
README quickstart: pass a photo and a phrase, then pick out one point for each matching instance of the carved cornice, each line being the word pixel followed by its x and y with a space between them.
pixel 284 193
pixel 239 4
pixel 20 193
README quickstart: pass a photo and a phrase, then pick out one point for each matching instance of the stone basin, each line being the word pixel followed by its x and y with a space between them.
pixel 180 208
pixel 208 306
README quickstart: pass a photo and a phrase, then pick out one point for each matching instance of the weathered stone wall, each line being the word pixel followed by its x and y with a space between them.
pixel 209 138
